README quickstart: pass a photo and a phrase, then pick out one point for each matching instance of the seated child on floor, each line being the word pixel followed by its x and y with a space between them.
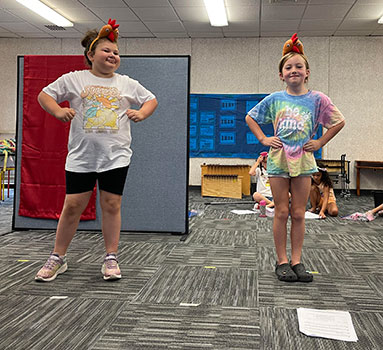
pixel 259 170
pixel 322 197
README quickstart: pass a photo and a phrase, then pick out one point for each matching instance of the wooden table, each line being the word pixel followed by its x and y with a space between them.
pixel 365 164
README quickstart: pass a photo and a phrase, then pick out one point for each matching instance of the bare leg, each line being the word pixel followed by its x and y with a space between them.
pixel 300 190
pixel 74 205
pixel 332 209
pixel 314 198
pixel 280 190
pixel 111 220
pixel 259 197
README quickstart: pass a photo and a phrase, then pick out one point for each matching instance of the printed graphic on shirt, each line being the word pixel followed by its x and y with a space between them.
pixel 100 105
pixel 294 128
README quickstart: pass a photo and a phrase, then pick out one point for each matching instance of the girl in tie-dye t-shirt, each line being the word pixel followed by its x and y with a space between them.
pixel 295 120
pixel 295 114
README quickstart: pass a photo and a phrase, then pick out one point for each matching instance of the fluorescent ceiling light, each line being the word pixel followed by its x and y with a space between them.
pixel 216 12
pixel 380 20
pixel 46 12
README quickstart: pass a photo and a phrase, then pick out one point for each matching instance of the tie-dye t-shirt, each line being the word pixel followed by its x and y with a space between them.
pixel 295 120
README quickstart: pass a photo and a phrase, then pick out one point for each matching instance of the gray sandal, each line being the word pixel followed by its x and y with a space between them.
pixel 301 273
pixel 285 273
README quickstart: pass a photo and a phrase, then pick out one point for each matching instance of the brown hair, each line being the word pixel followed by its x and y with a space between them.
pixel 90 35
pixel 87 40
pixel 286 57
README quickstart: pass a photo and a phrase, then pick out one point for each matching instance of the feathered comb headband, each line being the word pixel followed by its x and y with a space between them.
pixel 293 45
pixel 109 31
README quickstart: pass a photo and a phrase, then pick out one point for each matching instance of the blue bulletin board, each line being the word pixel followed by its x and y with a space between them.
pixel 218 128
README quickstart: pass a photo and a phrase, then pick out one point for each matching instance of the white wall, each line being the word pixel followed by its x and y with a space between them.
pixel 348 69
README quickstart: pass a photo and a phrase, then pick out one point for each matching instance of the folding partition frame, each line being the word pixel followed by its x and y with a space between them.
pixel 156 191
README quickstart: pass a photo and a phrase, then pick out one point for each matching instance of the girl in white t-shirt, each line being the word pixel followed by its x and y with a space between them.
pixel 259 170
pixel 99 143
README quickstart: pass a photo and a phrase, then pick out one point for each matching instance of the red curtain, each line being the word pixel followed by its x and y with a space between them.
pixel 44 142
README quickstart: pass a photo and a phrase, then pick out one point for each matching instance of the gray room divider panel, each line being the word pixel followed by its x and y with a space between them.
pixel 156 191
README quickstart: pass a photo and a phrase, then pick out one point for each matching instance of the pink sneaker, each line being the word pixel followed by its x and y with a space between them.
pixel 110 268
pixel 53 267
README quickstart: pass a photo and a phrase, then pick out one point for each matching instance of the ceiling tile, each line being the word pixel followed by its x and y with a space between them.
pixel 197 14
pixel 200 27
pixel 87 25
pixel 132 27
pixel 8 17
pixel 331 2
pixel 265 33
pixel 245 26
pixel 137 35
pixel 156 14
pixel 280 26
pixel 21 27
pixel 358 24
pixel 171 35
pixel 206 34
pixel 366 11
pixel 271 12
pixel 188 3
pixel 102 3
pixel 78 14
pixel 242 13
pixel 229 3
pixel 147 3
pixel 303 33
pixel 326 11
pixel 164 27
pixel 63 4
pixel 352 33
pixel 241 34
pixel 320 24
pixel 124 13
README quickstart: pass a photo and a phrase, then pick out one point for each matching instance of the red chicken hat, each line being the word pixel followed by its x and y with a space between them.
pixel 109 31
pixel 293 45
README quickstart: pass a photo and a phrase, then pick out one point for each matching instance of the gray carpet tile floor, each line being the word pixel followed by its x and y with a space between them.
pixel 214 288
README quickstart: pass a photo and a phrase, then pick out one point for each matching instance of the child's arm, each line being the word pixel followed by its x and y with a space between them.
pixel 49 104
pixel 378 208
pixel 144 112
pixel 314 145
pixel 326 194
pixel 255 166
pixel 272 141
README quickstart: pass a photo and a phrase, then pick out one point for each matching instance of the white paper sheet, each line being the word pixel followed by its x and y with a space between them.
pixel 329 324
pixel 242 212
pixel 310 215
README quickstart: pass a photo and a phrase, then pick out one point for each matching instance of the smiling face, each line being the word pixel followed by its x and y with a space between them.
pixel 295 72
pixel 105 59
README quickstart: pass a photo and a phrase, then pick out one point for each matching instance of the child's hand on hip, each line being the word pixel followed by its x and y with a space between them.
pixel 135 115
pixel 272 141
pixel 312 146
pixel 65 114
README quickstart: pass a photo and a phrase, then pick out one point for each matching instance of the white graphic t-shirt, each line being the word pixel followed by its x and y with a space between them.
pixel 99 138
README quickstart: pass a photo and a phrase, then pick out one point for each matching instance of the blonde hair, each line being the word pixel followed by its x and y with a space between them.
pixel 286 57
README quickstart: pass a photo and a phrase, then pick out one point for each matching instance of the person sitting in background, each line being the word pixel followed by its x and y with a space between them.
pixel 322 197
pixel 259 170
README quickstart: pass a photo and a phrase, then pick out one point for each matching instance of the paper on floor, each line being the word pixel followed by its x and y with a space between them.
pixel 329 324
pixel 310 215
pixel 242 212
